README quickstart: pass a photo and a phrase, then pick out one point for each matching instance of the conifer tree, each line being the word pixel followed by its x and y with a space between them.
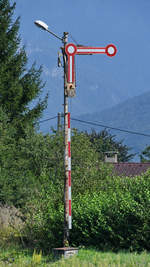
pixel 18 84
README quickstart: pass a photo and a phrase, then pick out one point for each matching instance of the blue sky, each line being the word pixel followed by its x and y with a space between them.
pixel 101 81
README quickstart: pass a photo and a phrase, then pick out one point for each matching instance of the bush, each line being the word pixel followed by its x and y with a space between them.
pixel 107 221
pixel 116 217
pixel 44 220
pixel 11 225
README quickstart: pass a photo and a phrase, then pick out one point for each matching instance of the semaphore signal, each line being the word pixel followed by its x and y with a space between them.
pixel 69 51
pixel 72 50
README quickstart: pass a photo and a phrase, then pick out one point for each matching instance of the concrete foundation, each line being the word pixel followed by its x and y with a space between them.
pixel 66 252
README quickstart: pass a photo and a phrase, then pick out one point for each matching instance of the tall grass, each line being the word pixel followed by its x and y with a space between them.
pixel 86 258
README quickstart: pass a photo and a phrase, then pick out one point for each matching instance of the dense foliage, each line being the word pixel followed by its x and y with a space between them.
pixel 18 84
pixel 37 161
pixel 104 141
pixel 16 178
pixel 115 217
pixel 145 155
pixel 108 212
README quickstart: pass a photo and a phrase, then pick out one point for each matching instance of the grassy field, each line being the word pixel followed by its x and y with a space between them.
pixel 16 258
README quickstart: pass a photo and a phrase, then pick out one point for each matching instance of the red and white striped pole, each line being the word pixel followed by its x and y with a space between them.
pixel 66 161
pixel 69 172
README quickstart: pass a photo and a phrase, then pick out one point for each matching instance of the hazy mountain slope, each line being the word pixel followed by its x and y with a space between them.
pixel 133 114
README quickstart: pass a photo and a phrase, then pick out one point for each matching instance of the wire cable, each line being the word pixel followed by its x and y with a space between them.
pixel 109 127
pixel 100 125
pixel 48 119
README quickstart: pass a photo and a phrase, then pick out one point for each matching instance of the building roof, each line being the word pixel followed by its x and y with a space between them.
pixel 130 168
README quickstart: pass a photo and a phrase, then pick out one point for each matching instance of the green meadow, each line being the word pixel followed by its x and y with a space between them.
pixel 86 257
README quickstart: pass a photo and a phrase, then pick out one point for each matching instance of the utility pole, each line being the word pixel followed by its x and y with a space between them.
pixel 58 122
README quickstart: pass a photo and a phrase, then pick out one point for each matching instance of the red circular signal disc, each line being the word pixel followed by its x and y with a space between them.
pixel 70 49
pixel 111 50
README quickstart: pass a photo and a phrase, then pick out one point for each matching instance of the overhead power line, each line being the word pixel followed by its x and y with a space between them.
pixel 100 125
pixel 48 119
pixel 109 127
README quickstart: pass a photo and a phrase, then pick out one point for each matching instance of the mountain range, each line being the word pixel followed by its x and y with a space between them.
pixel 131 115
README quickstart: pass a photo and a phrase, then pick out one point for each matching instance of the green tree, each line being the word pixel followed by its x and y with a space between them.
pixel 103 142
pixel 18 84
pixel 17 180
pixel 145 155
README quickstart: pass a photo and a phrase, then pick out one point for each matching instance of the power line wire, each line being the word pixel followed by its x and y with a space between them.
pixel 100 125
pixel 48 119
pixel 109 127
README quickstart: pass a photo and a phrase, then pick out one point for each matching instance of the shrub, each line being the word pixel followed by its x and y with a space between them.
pixel 11 225
pixel 115 217
pixel 44 221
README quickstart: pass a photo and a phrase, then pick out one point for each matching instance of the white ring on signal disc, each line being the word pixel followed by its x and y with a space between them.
pixel 111 50
pixel 71 49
